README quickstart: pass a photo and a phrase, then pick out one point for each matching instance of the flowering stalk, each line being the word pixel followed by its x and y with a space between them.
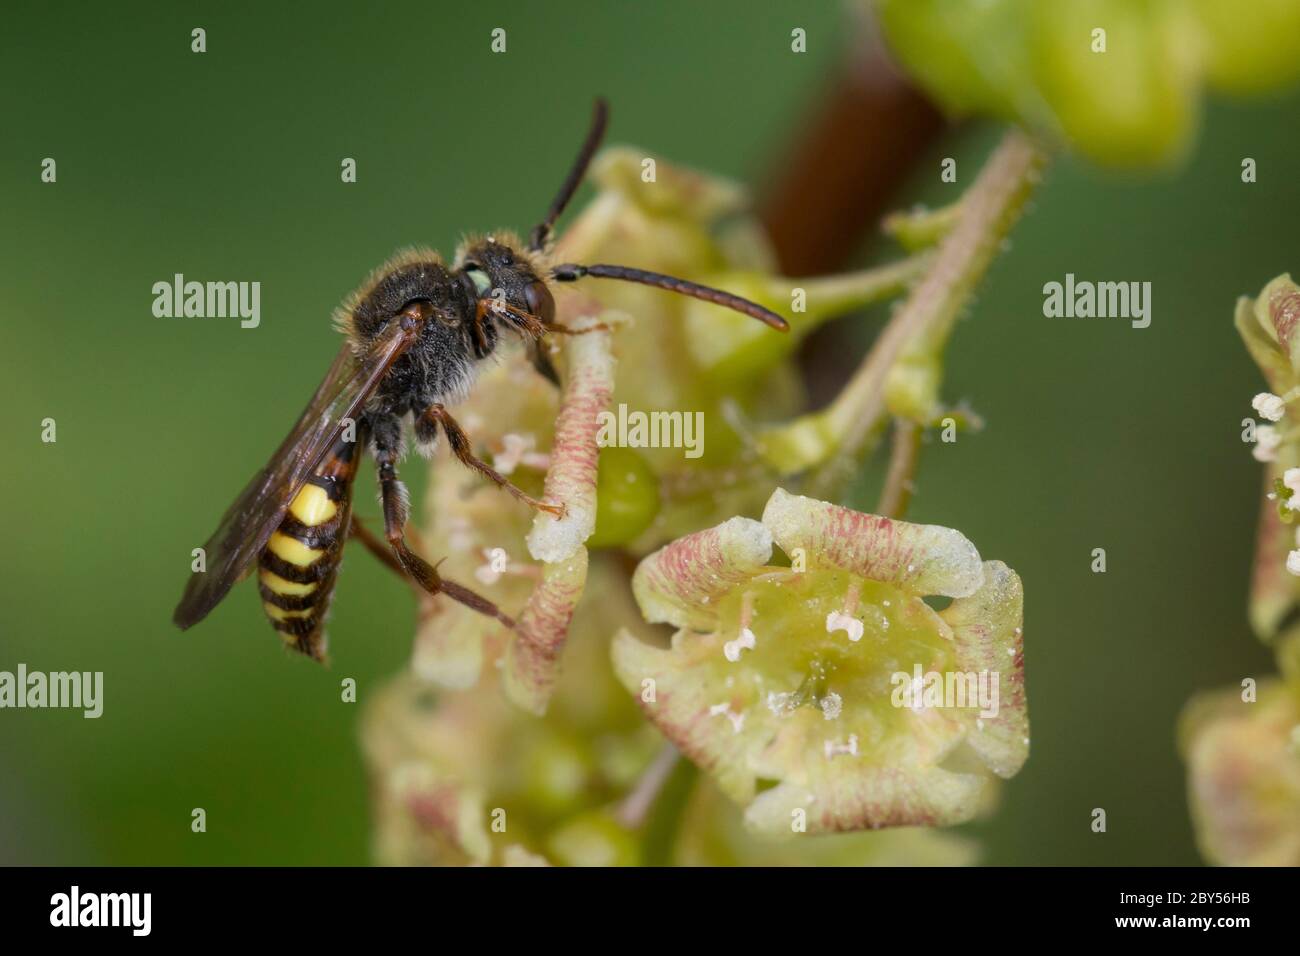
pixel 562 754
pixel 1242 746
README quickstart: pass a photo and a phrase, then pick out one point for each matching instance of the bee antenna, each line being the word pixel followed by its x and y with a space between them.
pixel 542 231
pixel 571 272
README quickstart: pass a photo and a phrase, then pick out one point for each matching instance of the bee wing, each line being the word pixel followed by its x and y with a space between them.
pixel 260 507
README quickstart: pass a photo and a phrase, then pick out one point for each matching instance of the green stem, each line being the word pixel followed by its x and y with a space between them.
pixel 659 839
pixel 832 441
pixel 903 455
pixel 922 228
pixel 831 296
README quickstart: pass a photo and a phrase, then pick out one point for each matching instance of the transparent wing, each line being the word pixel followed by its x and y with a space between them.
pixel 260 507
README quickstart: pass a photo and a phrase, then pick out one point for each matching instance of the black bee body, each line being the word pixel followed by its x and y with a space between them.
pixel 417 333
pixel 440 366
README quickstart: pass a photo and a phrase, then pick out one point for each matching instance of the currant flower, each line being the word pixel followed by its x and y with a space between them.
pixel 829 695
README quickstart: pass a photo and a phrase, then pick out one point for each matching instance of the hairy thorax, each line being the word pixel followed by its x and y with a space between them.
pixel 438 368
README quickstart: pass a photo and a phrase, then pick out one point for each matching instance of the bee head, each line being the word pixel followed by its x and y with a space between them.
pixel 508 281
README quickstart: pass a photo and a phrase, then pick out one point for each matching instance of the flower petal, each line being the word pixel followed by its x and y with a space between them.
pixel 1259 337
pixel 898 780
pixel 925 559
pixel 871 797
pixel 1279 305
pixel 986 627
pixel 533 656
pixel 571 478
pixel 680 584
pixel 681 698
pixel 713 834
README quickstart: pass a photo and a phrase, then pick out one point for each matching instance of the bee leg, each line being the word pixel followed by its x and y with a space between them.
pixel 380 550
pixel 396 511
pixel 438 415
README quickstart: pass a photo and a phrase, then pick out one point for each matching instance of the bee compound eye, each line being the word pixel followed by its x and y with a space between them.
pixel 540 302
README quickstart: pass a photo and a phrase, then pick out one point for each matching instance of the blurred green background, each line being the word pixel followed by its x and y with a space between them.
pixel 226 166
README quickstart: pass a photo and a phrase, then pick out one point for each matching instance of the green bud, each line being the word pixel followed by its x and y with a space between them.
pixel 1250 47
pixel 1133 104
pixel 912 388
pixel 627 498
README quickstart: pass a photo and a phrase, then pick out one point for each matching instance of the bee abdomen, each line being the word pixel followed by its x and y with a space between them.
pixel 298 566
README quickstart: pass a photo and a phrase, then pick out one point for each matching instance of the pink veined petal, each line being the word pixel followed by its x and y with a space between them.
pixel 925 559
pixel 682 582
pixel 871 797
pixel 677 693
pixel 533 655
pixel 532 658
pixel 1273 360
pixel 1284 312
pixel 571 478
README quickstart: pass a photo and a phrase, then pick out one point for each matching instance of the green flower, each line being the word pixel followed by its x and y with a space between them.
pixel 829 695
pixel 1041 63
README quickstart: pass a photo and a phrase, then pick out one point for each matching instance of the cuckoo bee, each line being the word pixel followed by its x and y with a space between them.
pixel 416 334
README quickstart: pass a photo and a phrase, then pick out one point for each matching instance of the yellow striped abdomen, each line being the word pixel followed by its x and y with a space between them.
pixel 297 568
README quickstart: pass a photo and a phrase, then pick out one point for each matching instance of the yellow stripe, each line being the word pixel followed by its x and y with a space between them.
pixel 292 550
pixel 288 588
pixel 312 506
pixel 280 614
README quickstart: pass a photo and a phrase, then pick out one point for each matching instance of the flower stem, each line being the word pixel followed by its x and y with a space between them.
pixel 636 806
pixel 921 228
pixel 831 441
pixel 903 455
pixel 659 839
